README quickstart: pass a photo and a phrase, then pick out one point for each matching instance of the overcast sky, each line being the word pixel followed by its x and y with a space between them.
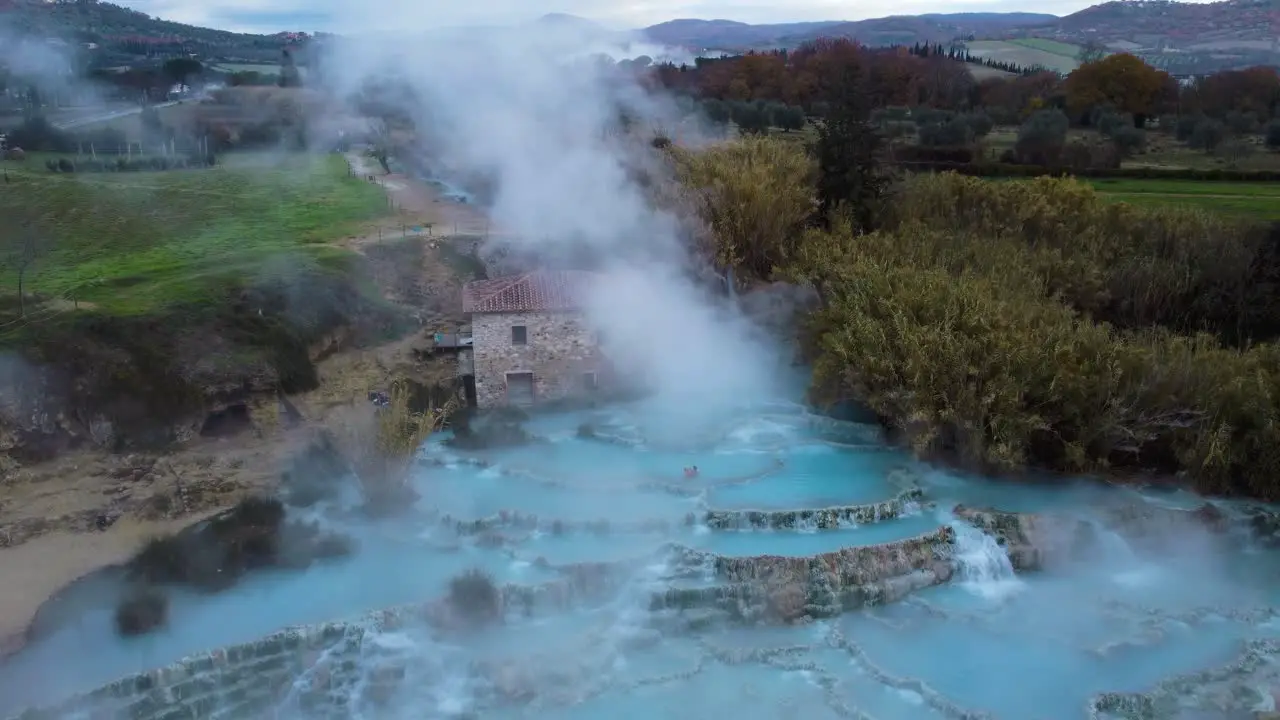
pixel 340 15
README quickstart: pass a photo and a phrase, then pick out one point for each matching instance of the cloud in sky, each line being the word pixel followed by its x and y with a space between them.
pixel 345 15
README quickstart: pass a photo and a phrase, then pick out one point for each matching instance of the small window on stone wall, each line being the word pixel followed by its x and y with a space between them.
pixel 519 335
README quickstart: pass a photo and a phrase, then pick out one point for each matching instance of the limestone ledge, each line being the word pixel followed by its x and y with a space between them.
pixel 506 521
pixel 1239 689
pixel 248 680
pixel 822 519
pixel 753 603
pixel 841 568
pixel 1036 540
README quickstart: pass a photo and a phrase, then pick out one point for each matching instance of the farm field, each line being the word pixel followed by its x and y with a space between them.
pixel 137 243
pixel 1255 200
pixel 264 68
pixel 1027 52
pixel 1055 47
pixel 982 72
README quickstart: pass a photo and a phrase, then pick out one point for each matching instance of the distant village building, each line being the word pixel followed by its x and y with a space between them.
pixel 1185 79
pixel 531 342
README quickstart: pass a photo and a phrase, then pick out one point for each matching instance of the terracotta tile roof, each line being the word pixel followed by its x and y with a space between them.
pixel 541 291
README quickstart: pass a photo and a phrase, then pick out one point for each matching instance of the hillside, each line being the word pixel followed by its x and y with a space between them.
pixel 1178 36
pixel 903 29
pixel 729 33
pixel 118 30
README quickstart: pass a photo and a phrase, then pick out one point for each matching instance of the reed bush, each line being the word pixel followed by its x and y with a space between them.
pixel 1008 325
pixel 1180 268
pixel 755 195
pixel 380 441
pixel 967 349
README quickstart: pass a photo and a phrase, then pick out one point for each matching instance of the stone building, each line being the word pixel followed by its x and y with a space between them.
pixel 531 342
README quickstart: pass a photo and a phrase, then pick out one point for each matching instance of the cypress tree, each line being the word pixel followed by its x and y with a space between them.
pixel 847 152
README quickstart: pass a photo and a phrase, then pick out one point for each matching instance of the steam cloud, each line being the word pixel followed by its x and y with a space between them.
pixel 49 66
pixel 535 111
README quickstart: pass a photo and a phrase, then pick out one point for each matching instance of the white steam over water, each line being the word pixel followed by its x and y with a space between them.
pixel 538 119
pixel 532 115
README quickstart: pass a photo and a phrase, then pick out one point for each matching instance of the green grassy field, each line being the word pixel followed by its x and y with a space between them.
pixel 264 68
pixel 1050 46
pixel 1028 52
pixel 1256 200
pixel 138 243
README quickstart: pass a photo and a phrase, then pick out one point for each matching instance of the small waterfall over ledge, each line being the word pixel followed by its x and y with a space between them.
pixel 1113 553
pixel 982 565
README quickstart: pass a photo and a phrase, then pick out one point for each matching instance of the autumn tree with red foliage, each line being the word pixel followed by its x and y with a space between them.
pixel 1017 97
pixel 803 77
pixel 807 77
pixel 1123 82
pixel 1252 90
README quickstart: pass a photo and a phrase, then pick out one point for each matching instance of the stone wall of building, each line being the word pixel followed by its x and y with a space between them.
pixel 559 350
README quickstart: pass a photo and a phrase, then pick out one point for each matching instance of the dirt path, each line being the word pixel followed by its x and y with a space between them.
pixel 50 532
pixel 424 202
pixel 34 571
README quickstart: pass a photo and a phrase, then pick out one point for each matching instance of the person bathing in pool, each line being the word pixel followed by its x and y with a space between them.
pixel 691 472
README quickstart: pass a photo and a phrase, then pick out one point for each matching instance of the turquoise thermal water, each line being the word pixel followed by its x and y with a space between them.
pixel 1034 646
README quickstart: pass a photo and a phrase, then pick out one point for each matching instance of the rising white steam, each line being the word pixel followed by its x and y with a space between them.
pixel 534 110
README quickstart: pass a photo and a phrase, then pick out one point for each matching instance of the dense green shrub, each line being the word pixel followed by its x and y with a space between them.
pixel 755 195
pixel 1185 126
pixel 37 133
pixel 137 164
pixel 1208 134
pixel 973 323
pixel 1181 269
pixel 1042 137
pixel 1272 135
pixel 953 132
pixel 1128 139
pixel 215 554
pixel 475 598
pixel 1241 123
pixel 926 154
pixel 141 610
pixel 980 123
pixel 1019 324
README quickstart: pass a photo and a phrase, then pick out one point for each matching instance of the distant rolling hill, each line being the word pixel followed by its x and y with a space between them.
pixel 903 29
pixel 1177 36
pixel 115 28
pixel 1181 37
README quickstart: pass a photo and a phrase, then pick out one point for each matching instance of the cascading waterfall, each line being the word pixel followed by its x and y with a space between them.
pixel 663 637
pixel 382 660
pixel 1118 558
pixel 982 565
